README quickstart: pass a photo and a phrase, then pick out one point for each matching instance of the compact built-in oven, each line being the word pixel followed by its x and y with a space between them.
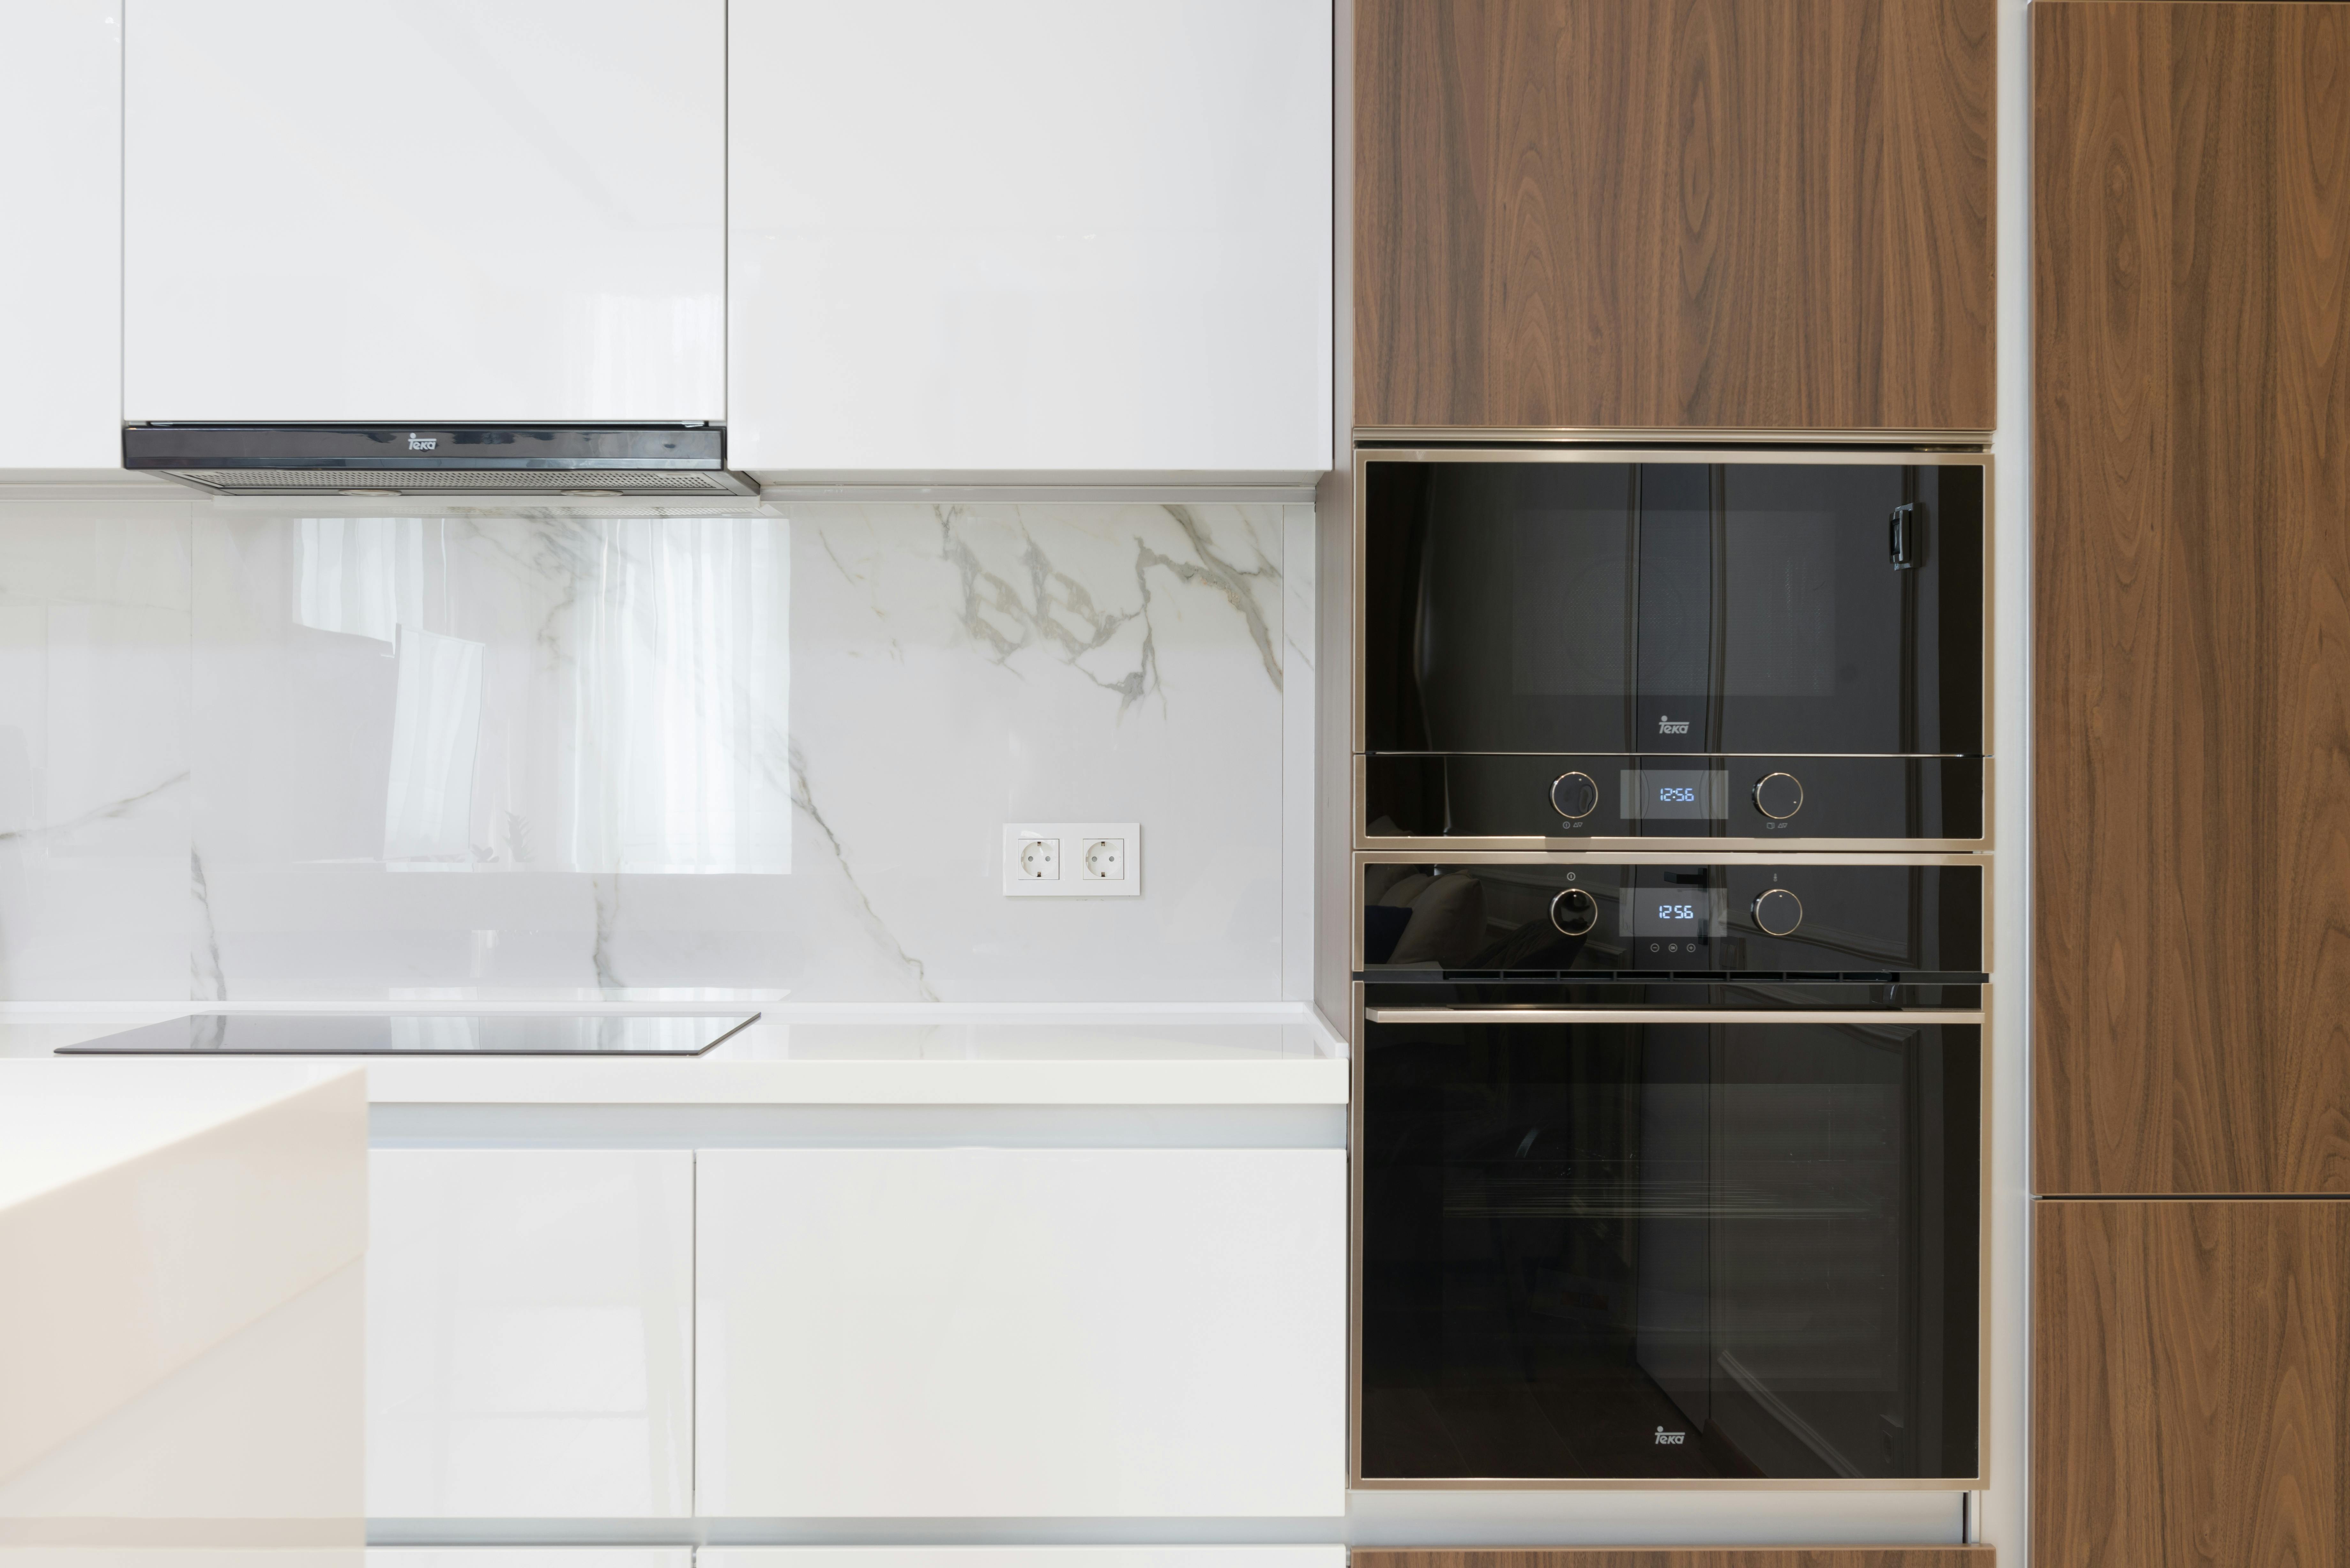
pixel 1581 648
pixel 1669 1170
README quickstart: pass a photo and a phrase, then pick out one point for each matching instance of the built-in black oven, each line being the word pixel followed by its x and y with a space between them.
pixel 1570 648
pixel 1670 1171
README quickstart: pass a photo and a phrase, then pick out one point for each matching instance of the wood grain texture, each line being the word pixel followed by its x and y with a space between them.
pixel 1692 214
pixel 2191 624
pixel 2191 1385
pixel 1687 1557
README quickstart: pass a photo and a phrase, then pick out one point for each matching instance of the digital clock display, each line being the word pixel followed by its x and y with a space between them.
pixel 1696 794
pixel 1668 912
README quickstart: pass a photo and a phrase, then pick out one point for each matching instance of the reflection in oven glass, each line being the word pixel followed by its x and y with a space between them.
pixel 1669 1251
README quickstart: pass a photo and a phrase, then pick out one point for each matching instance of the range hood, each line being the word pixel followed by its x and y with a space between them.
pixel 553 461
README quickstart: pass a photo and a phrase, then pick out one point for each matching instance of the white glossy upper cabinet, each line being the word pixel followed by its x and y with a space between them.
pixel 1041 236
pixel 976 1332
pixel 61 235
pixel 450 209
pixel 529 1333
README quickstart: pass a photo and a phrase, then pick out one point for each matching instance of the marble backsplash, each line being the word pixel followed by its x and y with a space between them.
pixel 255 756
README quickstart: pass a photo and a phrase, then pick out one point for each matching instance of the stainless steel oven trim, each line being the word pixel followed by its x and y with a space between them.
pixel 1358 722
pixel 1650 854
pixel 1429 848
pixel 1986 1261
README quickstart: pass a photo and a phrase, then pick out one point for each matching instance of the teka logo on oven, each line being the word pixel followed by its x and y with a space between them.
pixel 426 444
pixel 1669 1440
pixel 1671 727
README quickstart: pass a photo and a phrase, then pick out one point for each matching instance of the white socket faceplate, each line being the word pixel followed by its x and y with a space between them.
pixel 1068 859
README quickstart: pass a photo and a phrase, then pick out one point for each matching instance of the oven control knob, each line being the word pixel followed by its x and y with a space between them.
pixel 1574 912
pixel 1778 912
pixel 1576 796
pixel 1779 795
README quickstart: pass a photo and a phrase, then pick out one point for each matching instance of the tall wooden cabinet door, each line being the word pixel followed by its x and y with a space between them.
pixel 2190 1384
pixel 1716 214
pixel 2192 623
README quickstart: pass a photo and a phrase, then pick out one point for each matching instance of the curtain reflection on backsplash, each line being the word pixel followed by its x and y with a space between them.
pixel 568 694
pixel 436 733
pixel 682 679
pixel 350 574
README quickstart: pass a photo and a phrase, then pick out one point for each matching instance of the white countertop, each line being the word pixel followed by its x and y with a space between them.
pixel 846 1055
pixel 148 1211
pixel 63 1118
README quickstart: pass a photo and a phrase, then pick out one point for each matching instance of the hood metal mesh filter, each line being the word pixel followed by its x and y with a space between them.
pixel 449 482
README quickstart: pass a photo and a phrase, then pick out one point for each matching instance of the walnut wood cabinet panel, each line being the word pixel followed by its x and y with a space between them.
pixel 2191 1383
pixel 2191 527
pixel 1702 215
pixel 1688 1557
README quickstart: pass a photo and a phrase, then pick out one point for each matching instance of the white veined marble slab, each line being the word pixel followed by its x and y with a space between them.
pixel 246 754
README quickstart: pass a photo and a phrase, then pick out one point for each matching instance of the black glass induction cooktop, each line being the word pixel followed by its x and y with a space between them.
pixel 423 1034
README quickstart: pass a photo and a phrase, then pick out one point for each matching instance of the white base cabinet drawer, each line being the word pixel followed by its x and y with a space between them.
pixel 533 1557
pixel 1021 1557
pixel 529 1335
pixel 967 1333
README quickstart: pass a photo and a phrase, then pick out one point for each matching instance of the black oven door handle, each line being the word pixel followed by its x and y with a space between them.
pixel 1902 537
pixel 1921 1015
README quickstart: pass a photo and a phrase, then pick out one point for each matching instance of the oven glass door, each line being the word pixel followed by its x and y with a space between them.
pixel 1678 1247
pixel 1826 608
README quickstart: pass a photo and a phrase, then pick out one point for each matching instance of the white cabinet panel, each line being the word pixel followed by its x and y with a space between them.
pixel 529 1333
pixel 537 1557
pixel 61 238
pixel 1053 235
pixel 1332 1556
pixel 988 1331
pixel 424 210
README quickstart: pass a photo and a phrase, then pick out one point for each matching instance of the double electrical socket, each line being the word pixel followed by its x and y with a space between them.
pixel 1072 859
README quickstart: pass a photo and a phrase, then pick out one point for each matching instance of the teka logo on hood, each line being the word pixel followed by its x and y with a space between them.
pixel 426 444
pixel 1671 726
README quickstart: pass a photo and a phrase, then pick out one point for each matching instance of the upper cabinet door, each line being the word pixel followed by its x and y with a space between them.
pixel 2190 488
pixel 1717 215
pixel 61 261
pixel 1054 236
pixel 392 210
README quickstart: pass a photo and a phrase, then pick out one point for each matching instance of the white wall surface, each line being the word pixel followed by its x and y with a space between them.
pixel 61 239
pixel 1050 235
pixel 705 753
pixel 424 210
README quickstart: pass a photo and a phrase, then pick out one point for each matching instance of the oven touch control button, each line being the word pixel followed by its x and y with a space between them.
pixel 1778 912
pixel 1576 796
pixel 1779 795
pixel 1574 912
